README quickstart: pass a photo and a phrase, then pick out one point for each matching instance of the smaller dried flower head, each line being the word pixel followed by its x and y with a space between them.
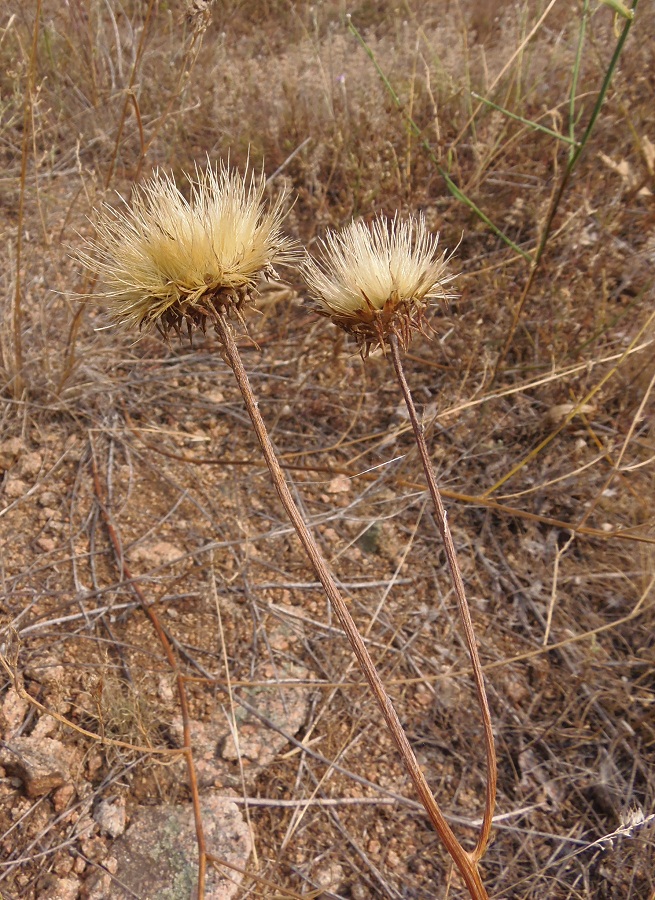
pixel 379 280
pixel 168 261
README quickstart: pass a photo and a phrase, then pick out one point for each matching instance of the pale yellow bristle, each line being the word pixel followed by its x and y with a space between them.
pixel 378 279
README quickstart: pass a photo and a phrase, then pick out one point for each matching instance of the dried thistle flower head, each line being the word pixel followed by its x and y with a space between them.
pixel 168 261
pixel 379 280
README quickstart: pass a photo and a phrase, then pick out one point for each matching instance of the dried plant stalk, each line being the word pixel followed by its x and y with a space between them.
pixel 465 614
pixel 18 385
pixel 376 282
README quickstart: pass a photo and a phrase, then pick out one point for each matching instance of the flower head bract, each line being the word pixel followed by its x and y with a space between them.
pixel 167 260
pixel 378 280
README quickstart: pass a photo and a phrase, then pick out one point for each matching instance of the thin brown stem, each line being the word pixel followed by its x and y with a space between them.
pixel 469 633
pixel 129 93
pixel 465 862
pixel 150 612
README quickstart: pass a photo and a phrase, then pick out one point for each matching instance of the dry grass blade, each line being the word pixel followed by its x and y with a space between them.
pixel 17 315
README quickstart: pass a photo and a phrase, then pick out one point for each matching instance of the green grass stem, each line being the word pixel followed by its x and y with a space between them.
pixel 529 122
pixel 450 184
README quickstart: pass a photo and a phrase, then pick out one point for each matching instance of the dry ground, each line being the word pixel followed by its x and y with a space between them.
pixel 547 468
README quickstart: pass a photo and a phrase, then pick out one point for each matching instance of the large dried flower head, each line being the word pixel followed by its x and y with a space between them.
pixel 375 281
pixel 168 261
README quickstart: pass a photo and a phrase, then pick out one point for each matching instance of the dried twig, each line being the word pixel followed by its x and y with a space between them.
pixel 451 555
pixel 173 663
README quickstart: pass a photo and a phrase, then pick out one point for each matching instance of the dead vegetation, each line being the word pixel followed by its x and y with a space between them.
pixel 543 446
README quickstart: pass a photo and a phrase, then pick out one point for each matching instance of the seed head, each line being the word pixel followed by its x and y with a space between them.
pixel 379 280
pixel 168 261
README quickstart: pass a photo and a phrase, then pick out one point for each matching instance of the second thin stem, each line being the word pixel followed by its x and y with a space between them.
pixel 451 555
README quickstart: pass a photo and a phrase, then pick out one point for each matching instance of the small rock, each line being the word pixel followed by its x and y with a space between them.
pixel 159 554
pixel 111 817
pixel 98 886
pixel 94 763
pixel 211 770
pixel 165 689
pixel 42 764
pixel 14 710
pixel 10 450
pixel 287 707
pixel 46 544
pixel 63 889
pixel 63 797
pixel 93 847
pixel 393 860
pixel 331 877
pixel 424 696
pixel 63 864
pixel 167 834
pixel 85 703
pixel 15 488
pixel 340 484
pixel 45 727
pixel 30 464
pixel 47 670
